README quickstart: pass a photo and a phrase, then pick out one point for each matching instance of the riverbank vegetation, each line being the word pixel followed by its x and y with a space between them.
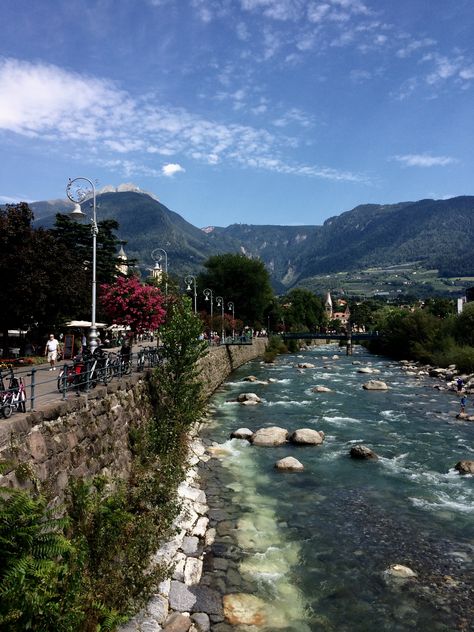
pixel 431 334
pixel 87 566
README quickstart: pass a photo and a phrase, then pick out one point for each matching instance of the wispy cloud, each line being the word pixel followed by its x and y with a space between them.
pixel 424 160
pixel 86 115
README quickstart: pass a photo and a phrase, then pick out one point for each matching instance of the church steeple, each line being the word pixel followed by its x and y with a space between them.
pixel 122 260
pixel 328 305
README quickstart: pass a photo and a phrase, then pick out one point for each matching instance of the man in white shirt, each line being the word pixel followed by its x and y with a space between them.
pixel 51 350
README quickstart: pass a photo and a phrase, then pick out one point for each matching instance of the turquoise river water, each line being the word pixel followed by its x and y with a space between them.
pixel 313 546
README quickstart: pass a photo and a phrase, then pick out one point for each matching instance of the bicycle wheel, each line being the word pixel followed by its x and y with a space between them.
pixel 7 410
pixel 127 367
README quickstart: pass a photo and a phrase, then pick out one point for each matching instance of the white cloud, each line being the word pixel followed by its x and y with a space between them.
pixel 424 160
pixel 413 46
pixel 171 168
pixel 87 116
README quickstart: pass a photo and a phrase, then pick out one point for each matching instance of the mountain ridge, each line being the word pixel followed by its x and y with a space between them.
pixel 436 233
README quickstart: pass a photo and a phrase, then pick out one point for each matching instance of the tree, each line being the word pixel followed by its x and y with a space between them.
pixel 176 388
pixel 128 302
pixel 43 282
pixel 303 310
pixel 244 281
pixel 78 240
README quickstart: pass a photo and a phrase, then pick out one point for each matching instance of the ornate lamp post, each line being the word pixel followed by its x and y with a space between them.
pixel 157 256
pixel 188 280
pixel 220 303
pixel 230 307
pixel 209 296
pixel 77 190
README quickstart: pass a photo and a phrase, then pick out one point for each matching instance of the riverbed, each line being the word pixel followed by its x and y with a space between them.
pixel 312 547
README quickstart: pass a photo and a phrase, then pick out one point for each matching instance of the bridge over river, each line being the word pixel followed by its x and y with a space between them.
pixel 350 337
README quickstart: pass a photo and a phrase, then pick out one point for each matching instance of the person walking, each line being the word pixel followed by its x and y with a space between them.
pixel 51 350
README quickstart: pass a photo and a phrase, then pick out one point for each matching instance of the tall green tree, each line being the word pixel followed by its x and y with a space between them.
pixel 244 281
pixel 42 281
pixel 303 310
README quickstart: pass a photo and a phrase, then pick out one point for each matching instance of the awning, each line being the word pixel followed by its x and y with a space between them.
pixel 84 323
pixel 118 328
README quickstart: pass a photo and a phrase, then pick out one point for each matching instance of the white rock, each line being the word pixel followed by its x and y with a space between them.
pixel 307 436
pixel 179 563
pixel 245 397
pixel 272 435
pixel 242 433
pixel 191 493
pixel 375 385
pixel 290 464
pixel 321 389
pixel 158 608
pixel 200 527
pixel 398 571
pixel 192 571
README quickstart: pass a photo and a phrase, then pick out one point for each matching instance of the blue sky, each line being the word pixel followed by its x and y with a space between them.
pixel 253 111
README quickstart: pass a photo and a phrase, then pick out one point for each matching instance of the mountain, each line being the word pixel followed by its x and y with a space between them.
pixel 436 234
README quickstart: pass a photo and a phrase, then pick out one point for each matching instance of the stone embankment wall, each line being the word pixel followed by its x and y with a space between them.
pixel 81 439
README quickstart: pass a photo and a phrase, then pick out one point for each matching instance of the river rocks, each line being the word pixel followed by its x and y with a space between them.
pixel 242 433
pixel 363 452
pixel 177 622
pixel 307 436
pixel 375 385
pixel 398 571
pixel 465 417
pixel 289 464
pixel 321 389
pixel 272 435
pixel 248 398
pixel 465 467
pixel 243 609
pixel 250 378
pixel 368 369
pixel 306 365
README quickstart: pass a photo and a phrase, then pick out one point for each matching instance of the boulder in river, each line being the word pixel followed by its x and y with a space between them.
pixel 248 397
pixel 250 378
pixel 306 365
pixel 307 436
pixel 363 452
pixel 465 467
pixel 399 572
pixel 365 369
pixel 289 464
pixel 244 609
pixel 242 433
pixel 375 385
pixel 273 435
pixel 321 389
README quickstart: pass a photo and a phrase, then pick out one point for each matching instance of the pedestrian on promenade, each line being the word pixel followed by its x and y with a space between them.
pixel 51 350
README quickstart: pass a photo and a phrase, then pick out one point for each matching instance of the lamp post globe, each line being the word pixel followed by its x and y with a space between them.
pixel 191 279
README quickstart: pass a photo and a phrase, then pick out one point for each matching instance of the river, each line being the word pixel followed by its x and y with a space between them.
pixel 313 546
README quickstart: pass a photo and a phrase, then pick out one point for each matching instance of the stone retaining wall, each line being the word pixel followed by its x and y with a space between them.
pixel 79 438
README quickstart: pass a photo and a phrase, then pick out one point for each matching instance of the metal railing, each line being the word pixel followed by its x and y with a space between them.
pixel 41 384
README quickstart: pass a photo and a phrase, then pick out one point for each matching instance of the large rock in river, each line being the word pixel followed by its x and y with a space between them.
pixel 363 452
pixel 465 467
pixel 242 433
pixel 273 435
pixel 248 397
pixel 375 385
pixel 307 436
pixel 289 464
pixel 321 389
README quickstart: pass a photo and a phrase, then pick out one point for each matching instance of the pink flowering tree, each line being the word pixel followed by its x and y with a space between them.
pixel 128 302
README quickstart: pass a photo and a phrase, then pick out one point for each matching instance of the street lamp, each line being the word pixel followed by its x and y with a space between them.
pixel 77 191
pixel 230 307
pixel 157 257
pixel 209 295
pixel 220 303
pixel 192 279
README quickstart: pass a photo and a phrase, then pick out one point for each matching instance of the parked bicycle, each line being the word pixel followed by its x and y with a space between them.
pixel 86 371
pixel 13 398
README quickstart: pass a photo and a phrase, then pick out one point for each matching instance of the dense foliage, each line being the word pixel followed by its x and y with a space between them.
pixel 242 280
pixel 46 274
pixel 419 334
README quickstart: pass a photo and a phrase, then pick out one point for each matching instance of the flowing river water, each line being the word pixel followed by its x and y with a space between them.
pixel 312 547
